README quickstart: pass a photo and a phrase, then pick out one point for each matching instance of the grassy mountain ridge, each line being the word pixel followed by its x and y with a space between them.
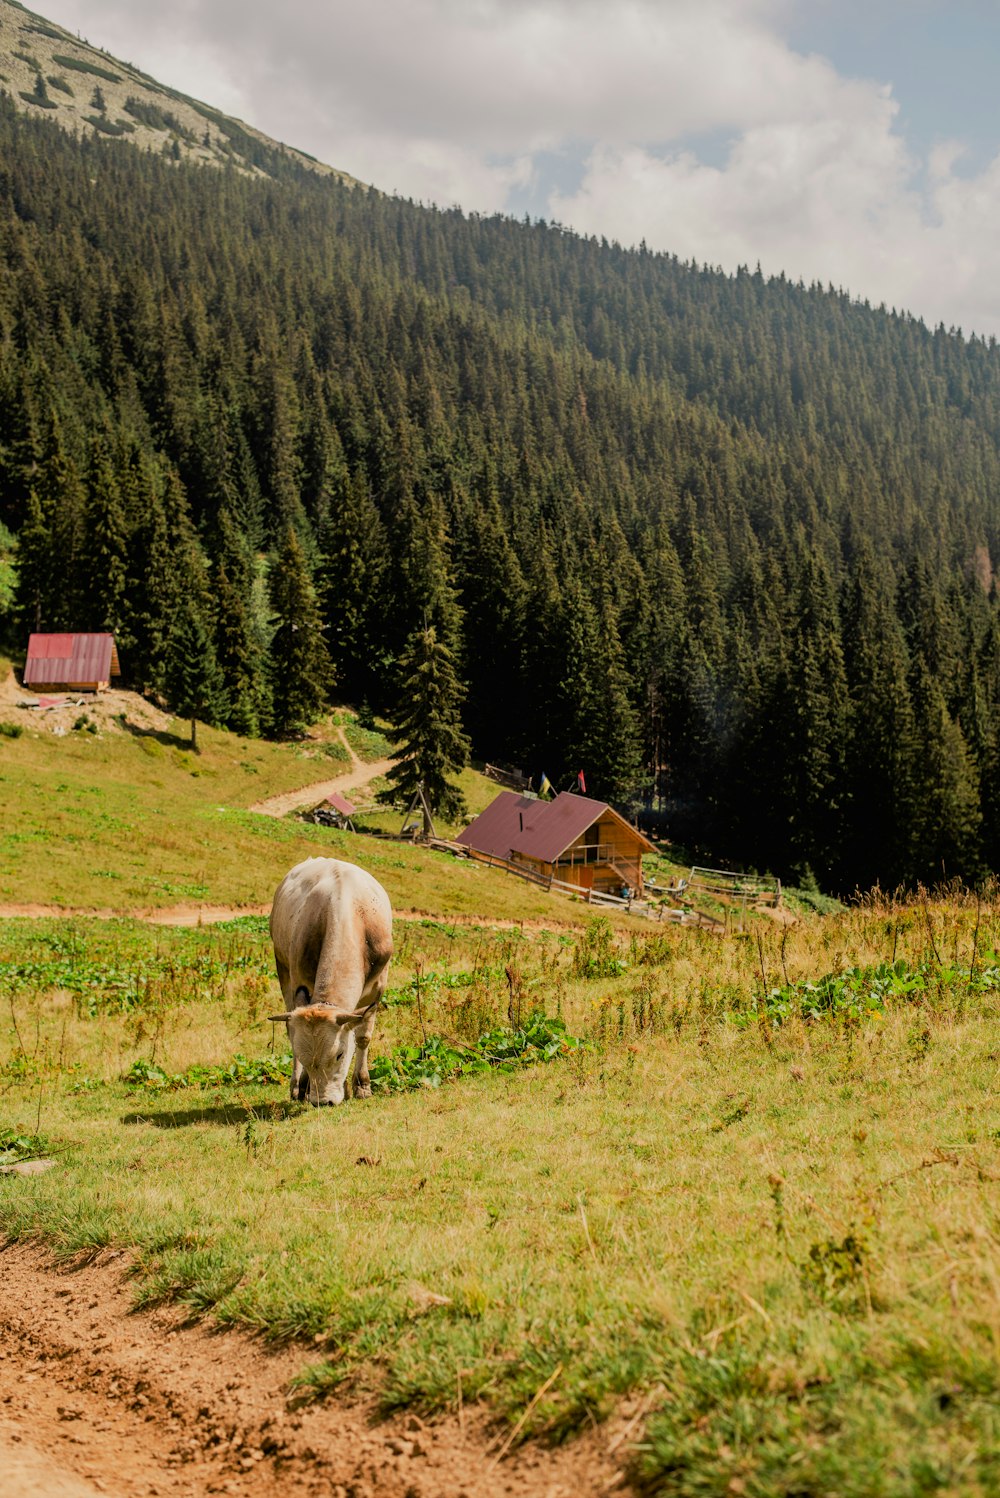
pixel 50 71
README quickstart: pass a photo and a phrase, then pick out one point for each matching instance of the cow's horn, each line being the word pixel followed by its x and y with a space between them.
pixel 277 1019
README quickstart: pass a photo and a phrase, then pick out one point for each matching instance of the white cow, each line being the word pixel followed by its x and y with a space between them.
pixel 331 925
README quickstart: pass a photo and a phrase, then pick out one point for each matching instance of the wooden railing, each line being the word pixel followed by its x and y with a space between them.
pixel 588 896
pixel 726 882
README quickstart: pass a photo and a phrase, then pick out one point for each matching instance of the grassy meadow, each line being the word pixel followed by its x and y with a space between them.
pixel 752 1180
pixel 129 820
pixel 763 1193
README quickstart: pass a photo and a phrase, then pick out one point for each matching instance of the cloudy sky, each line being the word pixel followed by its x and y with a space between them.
pixel 849 141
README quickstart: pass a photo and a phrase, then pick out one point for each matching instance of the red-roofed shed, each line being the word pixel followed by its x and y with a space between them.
pixel 573 838
pixel 74 663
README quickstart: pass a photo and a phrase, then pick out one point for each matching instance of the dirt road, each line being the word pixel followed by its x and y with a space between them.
pixel 95 1399
pixel 353 779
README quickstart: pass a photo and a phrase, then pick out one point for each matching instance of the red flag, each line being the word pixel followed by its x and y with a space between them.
pixel 581 782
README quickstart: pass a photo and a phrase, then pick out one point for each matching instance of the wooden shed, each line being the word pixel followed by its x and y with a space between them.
pixel 71 663
pixel 572 838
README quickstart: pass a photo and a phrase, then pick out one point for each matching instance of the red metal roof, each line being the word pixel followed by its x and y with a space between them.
pixel 70 658
pixel 341 804
pixel 537 829
pixel 496 828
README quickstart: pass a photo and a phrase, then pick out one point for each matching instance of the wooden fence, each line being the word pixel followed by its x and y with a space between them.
pixel 760 889
pixel 512 780
pixel 588 896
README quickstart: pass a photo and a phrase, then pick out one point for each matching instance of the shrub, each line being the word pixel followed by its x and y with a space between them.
pixel 596 954
pixel 150 114
pixel 107 127
pixel 11 730
pixel 77 65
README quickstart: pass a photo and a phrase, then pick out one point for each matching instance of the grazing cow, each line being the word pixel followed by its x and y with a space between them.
pixel 331 925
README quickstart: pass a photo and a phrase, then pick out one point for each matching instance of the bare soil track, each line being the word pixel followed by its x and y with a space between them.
pixel 354 779
pixel 97 1399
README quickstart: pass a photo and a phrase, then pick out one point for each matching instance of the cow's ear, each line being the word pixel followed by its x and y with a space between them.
pixel 302 996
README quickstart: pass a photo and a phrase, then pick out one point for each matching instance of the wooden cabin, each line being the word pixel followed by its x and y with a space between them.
pixel 71 663
pixel 572 838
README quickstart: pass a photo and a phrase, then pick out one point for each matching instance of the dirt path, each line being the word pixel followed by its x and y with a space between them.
pixel 308 795
pixel 211 915
pixel 95 1399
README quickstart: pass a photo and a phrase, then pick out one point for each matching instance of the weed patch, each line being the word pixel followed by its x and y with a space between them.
pixel 437 1060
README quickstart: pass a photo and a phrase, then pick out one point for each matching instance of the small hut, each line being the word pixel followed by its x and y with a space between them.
pixel 71 663
pixel 573 838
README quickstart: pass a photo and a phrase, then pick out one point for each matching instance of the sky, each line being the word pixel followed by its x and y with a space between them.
pixel 852 142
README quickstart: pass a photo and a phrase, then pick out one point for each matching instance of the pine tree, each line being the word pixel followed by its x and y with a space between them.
pixel 351 579
pixel 240 647
pixel 150 590
pixel 106 542
pixel 193 683
pixel 947 818
pixel 34 566
pixel 427 726
pixel 301 670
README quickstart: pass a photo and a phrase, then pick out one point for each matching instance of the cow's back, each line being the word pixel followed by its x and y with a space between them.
pixel 331 925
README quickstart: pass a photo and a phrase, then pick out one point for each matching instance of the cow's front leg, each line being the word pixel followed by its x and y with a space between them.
pixel 299 1088
pixel 364 1032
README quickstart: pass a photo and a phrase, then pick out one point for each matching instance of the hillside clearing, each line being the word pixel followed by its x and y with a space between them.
pixel 129 818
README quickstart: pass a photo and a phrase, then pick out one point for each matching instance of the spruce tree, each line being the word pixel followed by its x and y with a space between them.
pixel 150 591
pixel 301 670
pixel 351 579
pixel 106 542
pixel 427 726
pixel 240 646
pixel 193 682
pixel 34 566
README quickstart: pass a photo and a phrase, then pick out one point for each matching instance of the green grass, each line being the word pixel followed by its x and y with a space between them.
pixel 774 1223
pixel 126 821
pixel 367 743
pixel 762 1197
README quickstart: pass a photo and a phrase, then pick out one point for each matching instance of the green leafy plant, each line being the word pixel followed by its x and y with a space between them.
pixel 597 954
pixel 17 1144
pixel 544 1038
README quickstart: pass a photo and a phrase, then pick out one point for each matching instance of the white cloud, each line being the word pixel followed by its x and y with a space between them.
pixel 456 100
pixel 837 201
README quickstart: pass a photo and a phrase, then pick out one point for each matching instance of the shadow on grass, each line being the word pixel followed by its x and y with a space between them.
pixel 168 740
pixel 223 1115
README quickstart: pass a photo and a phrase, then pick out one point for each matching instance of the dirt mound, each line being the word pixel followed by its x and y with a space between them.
pixel 105 710
pixel 95 1399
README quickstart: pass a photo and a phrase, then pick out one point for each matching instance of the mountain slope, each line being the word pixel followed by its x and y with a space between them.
pixel 725 544
pixel 50 72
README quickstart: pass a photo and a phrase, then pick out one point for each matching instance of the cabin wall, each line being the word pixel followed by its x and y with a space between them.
pixel 606 857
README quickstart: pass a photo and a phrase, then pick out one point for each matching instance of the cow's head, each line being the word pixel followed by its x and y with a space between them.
pixel 322 1040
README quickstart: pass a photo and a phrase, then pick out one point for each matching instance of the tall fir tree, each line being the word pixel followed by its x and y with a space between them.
pixel 352 583
pixel 106 543
pixel 301 669
pixel 427 726
pixel 194 684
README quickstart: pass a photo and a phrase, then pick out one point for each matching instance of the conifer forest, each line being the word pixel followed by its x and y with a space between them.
pixel 725 543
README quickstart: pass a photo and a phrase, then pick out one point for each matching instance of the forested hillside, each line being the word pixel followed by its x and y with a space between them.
pixel 725 540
